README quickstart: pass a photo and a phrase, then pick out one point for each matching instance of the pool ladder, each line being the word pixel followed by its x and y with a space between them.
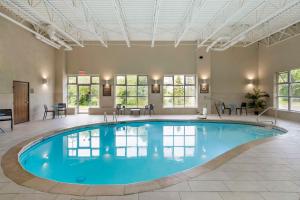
pixel 274 121
pixel 115 119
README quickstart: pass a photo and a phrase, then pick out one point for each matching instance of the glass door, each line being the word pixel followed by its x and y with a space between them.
pixel 83 92
pixel 84 97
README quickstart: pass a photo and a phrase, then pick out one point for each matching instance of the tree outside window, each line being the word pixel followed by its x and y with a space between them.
pixel 288 90
pixel 179 91
pixel 131 90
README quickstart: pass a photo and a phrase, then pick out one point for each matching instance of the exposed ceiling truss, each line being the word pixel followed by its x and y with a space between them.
pixel 214 24
pixel 155 20
pixel 189 19
pixel 119 10
pixel 283 35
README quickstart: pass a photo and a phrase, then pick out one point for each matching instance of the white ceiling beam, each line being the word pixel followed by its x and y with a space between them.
pixel 27 6
pixel 273 32
pixel 121 19
pixel 66 22
pixel 188 19
pixel 90 21
pixel 155 20
pixel 263 21
pixel 38 35
pixel 241 10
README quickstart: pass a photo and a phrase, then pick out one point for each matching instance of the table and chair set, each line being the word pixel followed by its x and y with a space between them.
pixel 58 109
pixel 231 107
pixel 122 110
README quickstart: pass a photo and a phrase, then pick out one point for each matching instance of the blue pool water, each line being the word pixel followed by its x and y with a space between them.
pixel 134 151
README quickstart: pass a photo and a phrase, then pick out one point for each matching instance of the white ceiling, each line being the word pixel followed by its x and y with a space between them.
pixel 215 23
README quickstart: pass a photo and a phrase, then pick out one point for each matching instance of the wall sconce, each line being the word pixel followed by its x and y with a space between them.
pixel 107 89
pixel 204 86
pixel 155 88
pixel 44 81
pixel 250 82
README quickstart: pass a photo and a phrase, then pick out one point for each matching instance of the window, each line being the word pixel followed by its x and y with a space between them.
pixel 131 90
pixel 83 92
pixel 288 90
pixel 179 91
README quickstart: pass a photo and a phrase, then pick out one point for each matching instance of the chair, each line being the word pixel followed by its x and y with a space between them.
pixel 62 107
pixel 149 108
pixel 224 108
pixel 120 109
pixel 46 111
pixel 6 115
pixel 243 106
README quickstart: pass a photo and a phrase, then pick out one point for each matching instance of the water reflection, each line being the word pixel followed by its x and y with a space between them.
pixel 132 142
pixel 84 144
pixel 179 141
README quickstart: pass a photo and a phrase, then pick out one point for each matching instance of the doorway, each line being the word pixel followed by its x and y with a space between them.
pixel 84 94
pixel 21 101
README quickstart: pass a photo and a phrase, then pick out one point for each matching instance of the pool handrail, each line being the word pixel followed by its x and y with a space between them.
pixel 267 109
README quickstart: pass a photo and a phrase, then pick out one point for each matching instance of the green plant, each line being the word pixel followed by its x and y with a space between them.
pixel 257 99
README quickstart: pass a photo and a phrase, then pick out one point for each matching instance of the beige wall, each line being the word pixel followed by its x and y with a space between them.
pixel 280 57
pixel 226 72
pixel 230 70
pixel 60 77
pixel 23 58
pixel 140 59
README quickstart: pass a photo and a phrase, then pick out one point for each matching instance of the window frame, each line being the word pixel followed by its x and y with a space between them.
pixel 137 96
pixel 90 84
pixel 184 85
pixel 289 95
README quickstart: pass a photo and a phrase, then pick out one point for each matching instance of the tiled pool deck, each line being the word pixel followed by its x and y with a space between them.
pixel 267 171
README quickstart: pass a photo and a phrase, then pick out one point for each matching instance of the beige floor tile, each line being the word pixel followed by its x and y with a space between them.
pixel 178 187
pixel 7 196
pixel 244 176
pixel 200 196
pixel 14 188
pixel 240 196
pixel 213 176
pixel 35 197
pixel 159 196
pixel 281 186
pixel 278 175
pixel 245 186
pixel 71 197
pixel 126 197
pixel 207 186
pixel 280 196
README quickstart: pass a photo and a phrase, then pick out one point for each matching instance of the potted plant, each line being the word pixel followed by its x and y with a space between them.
pixel 257 100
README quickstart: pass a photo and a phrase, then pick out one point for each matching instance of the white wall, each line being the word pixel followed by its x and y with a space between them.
pixel 23 58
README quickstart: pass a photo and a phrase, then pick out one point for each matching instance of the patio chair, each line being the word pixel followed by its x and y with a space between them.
pixel 6 115
pixel 46 111
pixel 149 108
pixel 62 107
pixel 120 109
pixel 243 106
pixel 224 108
